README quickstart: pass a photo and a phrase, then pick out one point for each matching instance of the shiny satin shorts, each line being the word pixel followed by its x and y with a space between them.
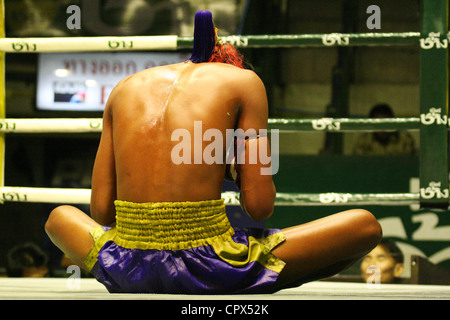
pixel 182 248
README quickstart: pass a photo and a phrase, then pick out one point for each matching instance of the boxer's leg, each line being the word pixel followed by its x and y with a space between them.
pixel 68 228
pixel 326 246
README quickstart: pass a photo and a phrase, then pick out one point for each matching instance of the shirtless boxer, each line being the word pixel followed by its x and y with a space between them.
pixel 167 229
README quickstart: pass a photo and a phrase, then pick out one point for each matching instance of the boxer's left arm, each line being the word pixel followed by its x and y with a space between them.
pixel 104 174
pixel 257 191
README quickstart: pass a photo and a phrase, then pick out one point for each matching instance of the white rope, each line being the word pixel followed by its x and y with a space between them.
pixel 68 195
pixel 45 195
pixel 231 198
pixel 76 125
pixel 85 44
pixel 173 42
pixel 60 125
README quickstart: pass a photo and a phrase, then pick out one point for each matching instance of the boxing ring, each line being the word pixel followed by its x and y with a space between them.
pixel 433 125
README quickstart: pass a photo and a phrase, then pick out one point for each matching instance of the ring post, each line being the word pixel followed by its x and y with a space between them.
pixel 2 94
pixel 434 192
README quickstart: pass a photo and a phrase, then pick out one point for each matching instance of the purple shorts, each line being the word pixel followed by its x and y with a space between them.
pixel 183 248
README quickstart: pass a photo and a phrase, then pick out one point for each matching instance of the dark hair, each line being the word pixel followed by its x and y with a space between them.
pixel 24 256
pixel 204 37
pixel 392 247
pixel 381 109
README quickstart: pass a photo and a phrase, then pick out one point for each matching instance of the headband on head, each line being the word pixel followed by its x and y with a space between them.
pixel 205 37
pixel 207 45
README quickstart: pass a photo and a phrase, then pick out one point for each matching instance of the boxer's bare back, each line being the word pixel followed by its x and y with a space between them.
pixel 134 158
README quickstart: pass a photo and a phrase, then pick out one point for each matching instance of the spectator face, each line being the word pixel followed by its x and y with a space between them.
pixel 35 272
pixel 382 258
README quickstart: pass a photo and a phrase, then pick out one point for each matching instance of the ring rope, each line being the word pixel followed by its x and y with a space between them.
pixel 87 44
pixel 173 42
pixel 79 125
pixel 58 125
pixel 82 196
pixel 78 44
pixel 346 124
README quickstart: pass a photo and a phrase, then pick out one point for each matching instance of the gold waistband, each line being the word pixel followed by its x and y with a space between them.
pixel 170 225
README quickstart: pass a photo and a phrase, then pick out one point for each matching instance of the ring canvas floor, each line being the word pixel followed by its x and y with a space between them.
pixel 90 289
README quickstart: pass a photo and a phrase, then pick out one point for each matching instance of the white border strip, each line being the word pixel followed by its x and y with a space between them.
pixel 85 44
